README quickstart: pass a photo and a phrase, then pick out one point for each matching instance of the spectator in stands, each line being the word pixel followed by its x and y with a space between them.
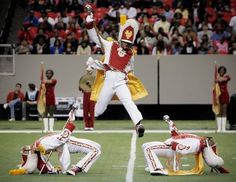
pixel 232 45
pixel 142 48
pixel 41 34
pixel 174 33
pixel 161 34
pixel 57 48
pixel 25 33
pixel 61 26
pixel 103 32
pixel 30 100
pixel 14 99
pixel 221 47
pixel 56 35
pixel 84 48
pixel 48 118
pixel 161 23
pixel 205 45
pixel 160 48
pixel 41 47
pixel 175 46
pixel 232 49
pixel 30 19
pixel 189 47
pixel 232 24
pixel 85 85
pixel 177 23
pixel 24 47
pixel 41 5
pixel 147 40
pixel 189 33
pixel 219 33
pixel 69 49
pixel 204 31
pixel 131 11
pixel 205 22
pixel 223 80
pixel 168 13
pixel 114 13
pixel 70 44
pixel 47 20
pixel 183 10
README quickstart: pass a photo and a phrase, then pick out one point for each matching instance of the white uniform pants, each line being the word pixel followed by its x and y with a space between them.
pixel 115 84
pixel 58 142
pixel 88 147
pixel 152 152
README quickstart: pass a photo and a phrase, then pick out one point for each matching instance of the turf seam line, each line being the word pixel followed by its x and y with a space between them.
pixel 130 169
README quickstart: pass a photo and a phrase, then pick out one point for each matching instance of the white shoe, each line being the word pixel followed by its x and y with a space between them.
pixel 159 172
pixel 147 169
pixel 73 171
pixel 11 120
pixel 5 105
pixel 23 119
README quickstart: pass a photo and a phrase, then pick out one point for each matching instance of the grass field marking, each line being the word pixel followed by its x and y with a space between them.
pixel 130 170
pixel 115 131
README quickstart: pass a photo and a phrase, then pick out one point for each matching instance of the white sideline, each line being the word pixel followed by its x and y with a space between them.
pixel 116 131
pixel 130 170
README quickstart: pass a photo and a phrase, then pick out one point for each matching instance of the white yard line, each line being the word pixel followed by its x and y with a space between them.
pixel 130 170
pixel 115 131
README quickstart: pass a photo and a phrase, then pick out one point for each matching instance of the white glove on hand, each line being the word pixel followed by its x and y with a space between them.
pixel 89 18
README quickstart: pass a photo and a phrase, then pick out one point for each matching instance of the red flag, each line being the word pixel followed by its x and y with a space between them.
pixel 216 94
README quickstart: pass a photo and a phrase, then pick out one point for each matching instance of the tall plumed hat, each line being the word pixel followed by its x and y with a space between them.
pixel 129 31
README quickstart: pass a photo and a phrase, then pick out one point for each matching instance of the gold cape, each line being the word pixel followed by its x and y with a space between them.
pixel 197 169
pixel 135 86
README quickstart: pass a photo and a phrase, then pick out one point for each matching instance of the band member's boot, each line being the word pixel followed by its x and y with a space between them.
pixel 218 124
pixel 45 124
pixel 51 124
pixel 223 124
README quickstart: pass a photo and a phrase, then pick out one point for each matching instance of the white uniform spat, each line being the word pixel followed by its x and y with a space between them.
pixel 118 62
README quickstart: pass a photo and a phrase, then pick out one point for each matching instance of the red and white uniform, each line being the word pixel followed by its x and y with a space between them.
pixel 91 149
pixel 117 64
pixel 182 144
pixel 56 142
pixel 88 147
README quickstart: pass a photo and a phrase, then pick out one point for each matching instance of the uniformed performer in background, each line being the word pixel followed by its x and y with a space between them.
pixel 85 85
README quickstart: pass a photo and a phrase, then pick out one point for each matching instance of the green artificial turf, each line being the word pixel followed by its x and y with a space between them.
pixel 112 165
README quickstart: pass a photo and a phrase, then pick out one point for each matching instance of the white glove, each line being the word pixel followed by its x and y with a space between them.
pixel 90 61
pixel 89 18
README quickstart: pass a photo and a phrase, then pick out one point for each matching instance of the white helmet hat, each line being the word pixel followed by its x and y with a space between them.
pixel 210 157
pixel 129 31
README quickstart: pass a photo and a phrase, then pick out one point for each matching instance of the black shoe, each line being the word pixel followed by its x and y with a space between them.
pixel 140 130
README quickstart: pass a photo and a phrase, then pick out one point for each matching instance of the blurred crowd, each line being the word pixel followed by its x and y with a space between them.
pixel 166 26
